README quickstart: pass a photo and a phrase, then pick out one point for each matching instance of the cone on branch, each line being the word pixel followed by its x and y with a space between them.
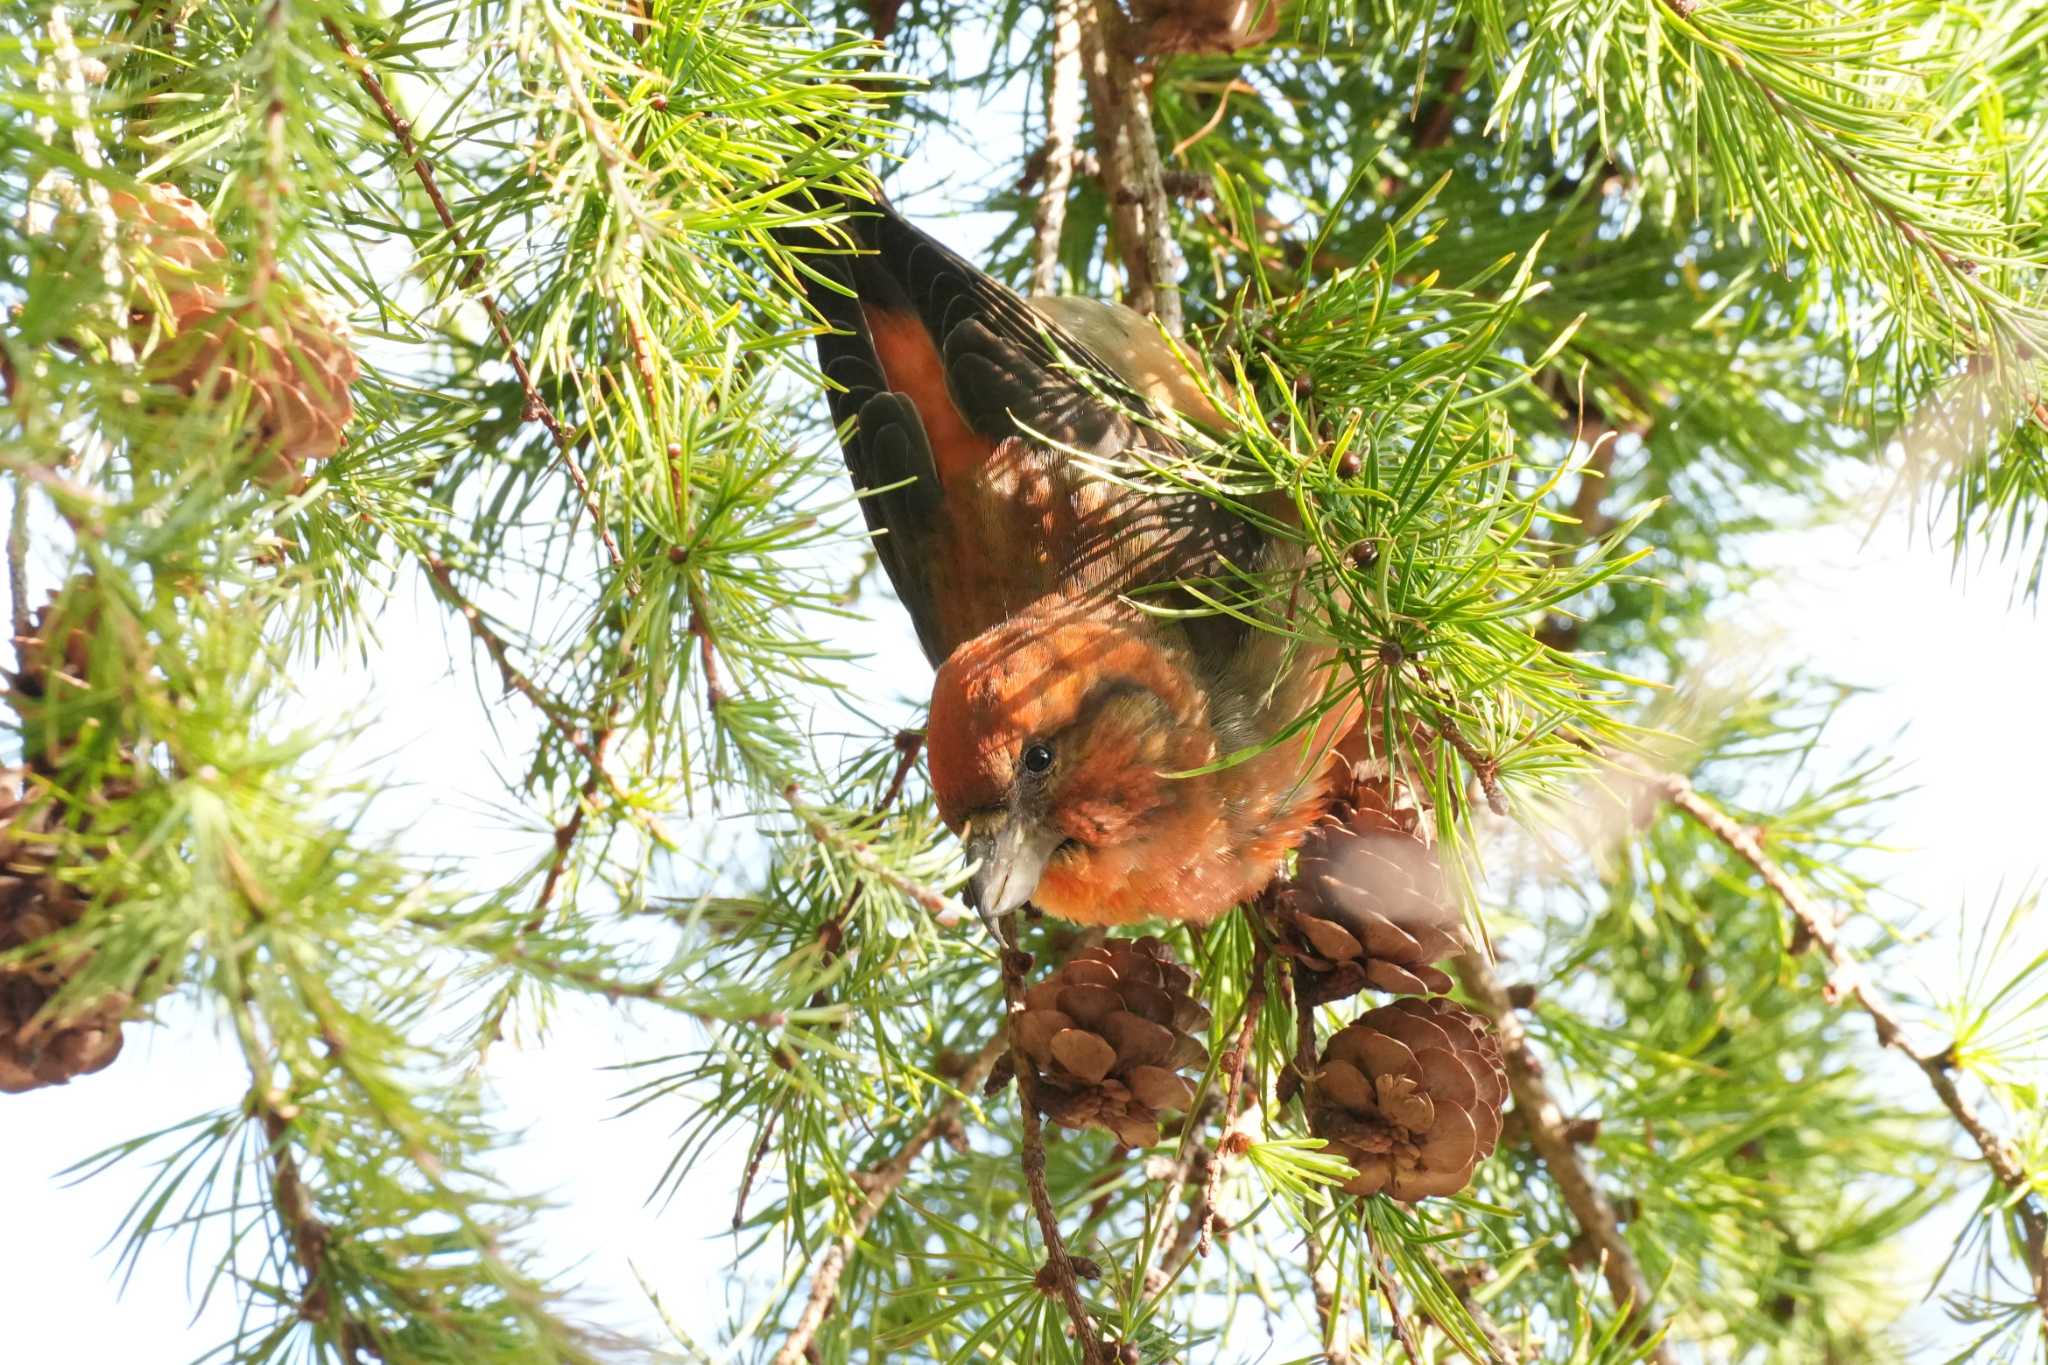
pixel 44 1041
pixel 282 363
pixel 1410 1094
pixel 1369 907
pixel 1111 1033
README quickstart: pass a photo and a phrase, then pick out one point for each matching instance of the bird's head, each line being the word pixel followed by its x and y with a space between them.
pixel 1052 747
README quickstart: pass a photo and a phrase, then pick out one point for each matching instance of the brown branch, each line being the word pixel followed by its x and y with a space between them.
pixel 1847 980
pixel 1232 1143
pixel 707 649
pixel 494 644
pixel 754 1159
pixel 537 409
pixel 1108 73
pixel 1485 768
pixel 859 854
pixel 880 1186
pixel 1162 252
pixel 1568 1169
pixel 1403 1333
pixel 308 1234
pixel 1059 1276
pixel 1062 134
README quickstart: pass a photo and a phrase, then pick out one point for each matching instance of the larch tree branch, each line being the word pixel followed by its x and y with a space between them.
pixel 1061 1274
pixel 537 409
pixel 881 1185
pixel 1062 144
pixel 1848 980
pixel 1547 1127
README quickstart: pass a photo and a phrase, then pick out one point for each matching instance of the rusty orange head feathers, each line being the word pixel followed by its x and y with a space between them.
pixel 1054 743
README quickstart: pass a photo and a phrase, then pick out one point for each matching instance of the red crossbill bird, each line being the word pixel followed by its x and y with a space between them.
pixel 1077 741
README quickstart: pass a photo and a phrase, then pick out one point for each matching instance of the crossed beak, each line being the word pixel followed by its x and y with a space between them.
pixel 1010 854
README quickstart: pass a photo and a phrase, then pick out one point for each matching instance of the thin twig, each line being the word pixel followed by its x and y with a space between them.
pixel 308 1234
pixel 1403 1332
pixel 1847 980
pixel 862 857
pixel 707 649
pixel 1568 1169
pixel 1062 134
pixel 1058 1276
pixel 1232 1142
pixel 537 409
pixel 1180 1237
pixel 755 1157
pixel 880 1186
pixel 443 579
pixel 1485 768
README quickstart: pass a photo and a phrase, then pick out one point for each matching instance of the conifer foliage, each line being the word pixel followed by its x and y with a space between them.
pixel 1568 1036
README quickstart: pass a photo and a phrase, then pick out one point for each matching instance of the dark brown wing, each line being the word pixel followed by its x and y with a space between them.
pixel 958 405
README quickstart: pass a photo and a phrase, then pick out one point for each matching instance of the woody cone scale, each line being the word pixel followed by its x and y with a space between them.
pixel 1369 907
pixel 285 359
pixel 1111 1034
pixel 1410 1095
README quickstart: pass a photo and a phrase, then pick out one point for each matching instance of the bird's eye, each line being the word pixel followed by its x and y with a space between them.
pixel 1037 758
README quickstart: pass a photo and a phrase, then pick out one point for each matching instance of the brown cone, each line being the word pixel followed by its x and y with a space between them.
pixel 1370 907
pixel 287 361
pixel 39 1047
pixel 1111 1032
pixel 1410 1094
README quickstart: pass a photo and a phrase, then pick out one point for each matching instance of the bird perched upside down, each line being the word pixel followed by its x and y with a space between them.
pixel 1069 727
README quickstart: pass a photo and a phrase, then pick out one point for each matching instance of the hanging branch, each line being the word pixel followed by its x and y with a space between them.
pixel 881 1185
pixel 1062 135
pixel 1847 980
pixel 443 579
pixel 306 1232
pixel 1061 1274
pixel 537 409
pixel 1547 1127
pixel 1233 1143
